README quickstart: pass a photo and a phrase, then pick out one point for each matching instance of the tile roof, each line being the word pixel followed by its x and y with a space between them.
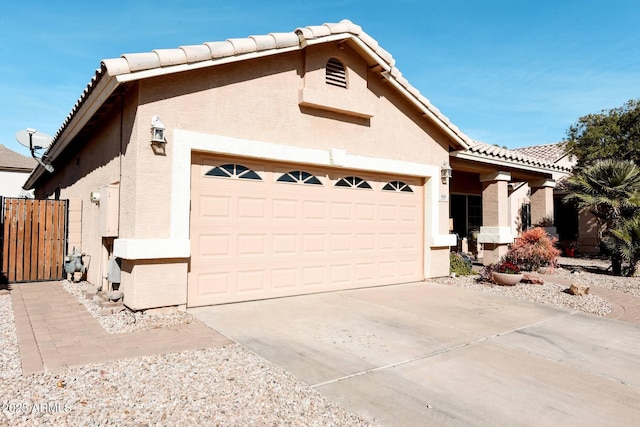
pixel 9 159
pixel 133 66
pixel 548 152
pixel 494 152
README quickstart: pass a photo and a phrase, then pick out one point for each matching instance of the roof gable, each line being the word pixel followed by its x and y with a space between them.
pixel 135 66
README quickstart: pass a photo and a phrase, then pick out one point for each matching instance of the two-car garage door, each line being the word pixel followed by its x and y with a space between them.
pixel 263 230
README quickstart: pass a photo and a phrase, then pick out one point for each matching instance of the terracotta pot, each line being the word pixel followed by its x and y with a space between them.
pixel 507 279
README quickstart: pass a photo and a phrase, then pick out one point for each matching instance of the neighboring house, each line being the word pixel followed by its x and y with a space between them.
pixel 291 163
pixel 579 230
pixel 14 171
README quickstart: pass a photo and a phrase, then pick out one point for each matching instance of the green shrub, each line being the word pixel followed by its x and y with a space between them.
pixel 460 265
pixel 532 250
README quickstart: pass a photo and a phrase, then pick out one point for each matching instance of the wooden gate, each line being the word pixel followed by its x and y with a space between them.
pixel 33 239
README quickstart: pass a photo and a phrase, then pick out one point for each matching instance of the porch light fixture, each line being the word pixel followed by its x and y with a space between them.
pixel 445 172
pixel 157 130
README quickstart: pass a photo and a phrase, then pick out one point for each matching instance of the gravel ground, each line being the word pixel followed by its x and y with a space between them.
pixel 127 320
pixel 550 293
pixel 594 271
pixel 584 271
pixel 226 386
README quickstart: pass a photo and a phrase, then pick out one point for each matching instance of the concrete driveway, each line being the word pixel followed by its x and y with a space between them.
pixel 426 354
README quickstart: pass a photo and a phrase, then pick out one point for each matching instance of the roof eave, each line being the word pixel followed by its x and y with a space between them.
pixel 475 157
pixel 103 88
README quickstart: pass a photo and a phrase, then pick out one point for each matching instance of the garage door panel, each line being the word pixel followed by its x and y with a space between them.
pixel 365 271
pixel 214 207
pixel 284 278
pixel 313 243
pixel 251 207
pixel 252 244
pixel 261 239
pixel 341 211
pixel 313 276
pixel 285 209
pixel 213 284
pixel 366 211
pixel 211 246
pixel 251 281
pixel 340 242
pixel 388 212
pixel 284 244
pixel 365 242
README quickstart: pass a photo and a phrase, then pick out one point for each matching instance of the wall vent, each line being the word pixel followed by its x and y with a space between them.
pixel 336 74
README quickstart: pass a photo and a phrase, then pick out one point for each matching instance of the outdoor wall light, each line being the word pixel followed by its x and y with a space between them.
pixel 157 130
pixel 445 172
pixel 95 197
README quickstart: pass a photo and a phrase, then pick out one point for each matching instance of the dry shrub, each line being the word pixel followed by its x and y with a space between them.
pixel 533 249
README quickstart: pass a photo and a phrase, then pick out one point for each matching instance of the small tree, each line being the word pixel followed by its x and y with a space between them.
pixel 533 249
pixel 610 134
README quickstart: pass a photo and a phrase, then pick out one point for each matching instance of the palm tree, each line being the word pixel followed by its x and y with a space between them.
pixel 610 190
pixel 625 241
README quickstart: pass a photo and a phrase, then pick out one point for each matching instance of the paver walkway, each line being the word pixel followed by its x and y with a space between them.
pixel 55 331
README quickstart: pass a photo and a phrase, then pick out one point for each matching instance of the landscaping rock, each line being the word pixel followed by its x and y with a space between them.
pixel 115 295
pixel 579 290
pixel 532 279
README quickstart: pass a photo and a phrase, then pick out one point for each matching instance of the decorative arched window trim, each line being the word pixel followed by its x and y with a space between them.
pixel 397 186
pixel 336 73
pixel 353 182
pixel 299 177
pixel 232 170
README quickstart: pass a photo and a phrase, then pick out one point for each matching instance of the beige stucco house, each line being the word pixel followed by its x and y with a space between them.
pixel 291 163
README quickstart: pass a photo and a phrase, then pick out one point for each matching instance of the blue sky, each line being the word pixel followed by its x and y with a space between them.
pixel 508 72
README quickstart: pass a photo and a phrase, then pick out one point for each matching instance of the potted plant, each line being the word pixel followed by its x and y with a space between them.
pixel 568 247
pixel 506 273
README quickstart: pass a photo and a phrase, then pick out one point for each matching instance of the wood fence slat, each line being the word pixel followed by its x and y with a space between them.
pixel 5 243
pixel 20 242
pixel 55 208
pixel 41 235
pixel 13 232
pixel 27 241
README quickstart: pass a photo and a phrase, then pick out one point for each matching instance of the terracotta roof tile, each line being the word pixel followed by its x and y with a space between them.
pixel 515 156
pixel 549 152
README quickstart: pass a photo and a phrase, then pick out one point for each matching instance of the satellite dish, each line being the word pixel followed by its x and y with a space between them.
pixel 35 140
pixel 31 138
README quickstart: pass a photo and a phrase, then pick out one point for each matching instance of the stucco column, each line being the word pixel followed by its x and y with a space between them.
pixel 541 200
pixel 495 233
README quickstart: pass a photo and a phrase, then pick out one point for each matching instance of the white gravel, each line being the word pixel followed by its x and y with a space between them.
pixel 585 271
pixel 593 271
pixel 10 366
pixel 127 320
pixel 225 386
pixel 550 293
